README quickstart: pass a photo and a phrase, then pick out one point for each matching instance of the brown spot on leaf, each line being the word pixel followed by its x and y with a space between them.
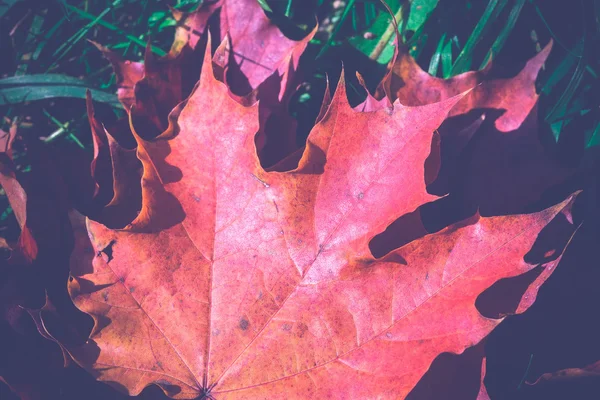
pixel 301 329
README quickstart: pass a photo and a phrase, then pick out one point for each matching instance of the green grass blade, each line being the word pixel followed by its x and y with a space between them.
pixel 62 130
pixel 561 70
pixel 46 39
pixel 34 31
pixel 370 13
pixel 554 37
pixel 464 59
pixel 595 138
pixel 561 106
pixel 19 89
pixel 337 28
pixel 382 28
pixel 114 28
pixel 265 6
pixel 447 59
pixel 501 39
pixel 437 55
pixel 5 5
pixel 568 93
pixel 419 13
pixel 79 35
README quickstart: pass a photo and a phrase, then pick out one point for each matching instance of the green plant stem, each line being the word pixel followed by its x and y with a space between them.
pixel 560 43
pixel 503 36
pixel 114 28
pixel 62 129
pixel 526 372
pixel 463 61
pixel 435 59
pixel 337 28
pixel 387 35
pixel 65 47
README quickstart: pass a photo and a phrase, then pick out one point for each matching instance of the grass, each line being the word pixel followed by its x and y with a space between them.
pixel 49 43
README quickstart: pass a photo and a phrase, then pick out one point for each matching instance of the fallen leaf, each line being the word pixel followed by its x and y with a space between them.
pixel 116 172
pixel 267 66
pixel 256 59
pixel 127 74
pixel 257 53
pixel 483 394
pixel 572 373
pixel 34 276
pixel 235 282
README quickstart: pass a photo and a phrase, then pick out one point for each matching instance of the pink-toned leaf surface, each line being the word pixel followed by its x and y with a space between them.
pixel 413 86
pixel 483 394
pixel 492 158
pixel 256 58
pixel 128 73
pixel 268 66
pixel 235 282
pixel 242 21
pixel 192 26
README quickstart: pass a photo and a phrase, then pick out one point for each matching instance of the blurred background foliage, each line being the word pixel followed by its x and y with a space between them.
pixel 48 62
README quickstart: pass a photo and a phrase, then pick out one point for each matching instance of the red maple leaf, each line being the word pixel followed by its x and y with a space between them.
pixel 235 282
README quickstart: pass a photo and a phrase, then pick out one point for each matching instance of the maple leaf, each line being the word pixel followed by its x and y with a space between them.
pixel 116 172
pixel 235 282
pixel 34 276
pixel 257 57
pixel 483 394
pixel 151 91
pixel 33 200
pixel 592 370
pixel 26 248
pixel 489 157
pixel 511 103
